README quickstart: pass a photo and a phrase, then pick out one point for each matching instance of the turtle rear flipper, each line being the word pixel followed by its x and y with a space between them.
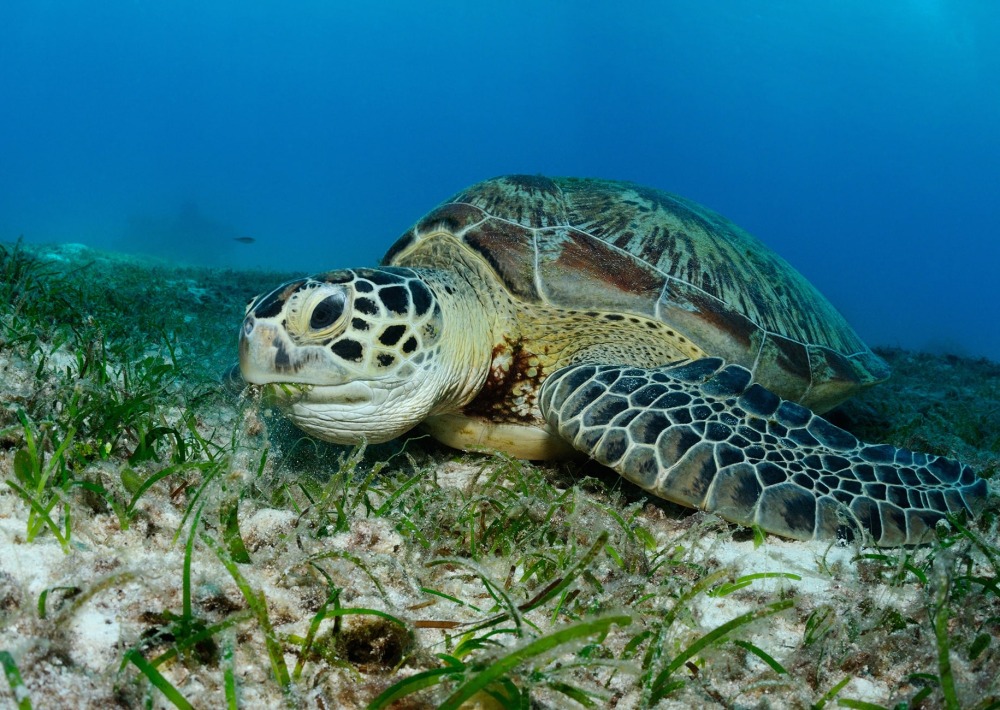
pixel 700 434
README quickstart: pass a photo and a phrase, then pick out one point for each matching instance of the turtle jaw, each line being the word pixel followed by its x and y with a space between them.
pixel 354 413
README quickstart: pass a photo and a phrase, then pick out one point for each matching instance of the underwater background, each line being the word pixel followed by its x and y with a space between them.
pixel 860 139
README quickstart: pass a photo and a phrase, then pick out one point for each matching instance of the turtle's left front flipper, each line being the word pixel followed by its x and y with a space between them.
pixel 700 434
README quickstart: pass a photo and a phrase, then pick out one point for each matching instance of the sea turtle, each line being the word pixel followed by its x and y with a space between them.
pixel 542 316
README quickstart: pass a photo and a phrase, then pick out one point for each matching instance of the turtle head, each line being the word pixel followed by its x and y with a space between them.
pixel 349 355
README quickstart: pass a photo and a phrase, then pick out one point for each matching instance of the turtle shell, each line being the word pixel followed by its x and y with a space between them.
pixel 618 247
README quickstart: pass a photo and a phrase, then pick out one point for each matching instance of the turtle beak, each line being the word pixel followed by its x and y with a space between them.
pixel 263 352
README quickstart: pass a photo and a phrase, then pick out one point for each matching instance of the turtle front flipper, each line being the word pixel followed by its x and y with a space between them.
pixel 700 434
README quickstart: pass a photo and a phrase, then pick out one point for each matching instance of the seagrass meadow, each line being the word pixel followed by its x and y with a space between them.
pixel 168 540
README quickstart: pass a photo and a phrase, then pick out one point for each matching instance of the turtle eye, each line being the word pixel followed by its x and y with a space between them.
pixel 327 312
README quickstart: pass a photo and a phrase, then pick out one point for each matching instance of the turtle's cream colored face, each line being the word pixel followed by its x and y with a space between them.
pixel 349 355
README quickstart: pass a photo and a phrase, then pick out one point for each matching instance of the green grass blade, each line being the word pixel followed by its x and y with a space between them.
pixel 501 666
pixel 831 694
pixel 762 655
pixel 940 619
pixel 42 512
pixel 353 559
pixel 229 513
pixel 258 604
pixel 229 674
pixel 149 482
pixel 192 640
pixel 334 613
pixel 307 642
pixel 43 597
pixel 860 704
pixel 747 579
pixel 571 691
pixel 17 687
pixel 570 575
pixel 493 588
pixel 456 600
pixel 415 683
pixel 159 682
pixel 713 636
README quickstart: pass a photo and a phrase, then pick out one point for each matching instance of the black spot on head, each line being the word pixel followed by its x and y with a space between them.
pixel 282 363
pixel 396 299
pixel 385 359
pixel 422 297
pixel 410 345
pixel 380 277
pixel 336 277
pixel 362 286
pixel 270 305
pixel 348 349
pixel 613 317
pixel 391 335
pixel 360 324
pixel 366 306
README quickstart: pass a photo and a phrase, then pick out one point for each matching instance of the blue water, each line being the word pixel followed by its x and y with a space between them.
pixel 858 138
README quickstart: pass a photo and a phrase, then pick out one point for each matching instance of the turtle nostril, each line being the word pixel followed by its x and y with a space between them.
pixel 248 324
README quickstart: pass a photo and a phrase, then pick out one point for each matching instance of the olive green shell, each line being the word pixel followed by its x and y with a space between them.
pixel 600 245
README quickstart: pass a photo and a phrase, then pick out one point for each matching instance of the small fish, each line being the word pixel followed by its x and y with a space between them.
pixel 244 240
